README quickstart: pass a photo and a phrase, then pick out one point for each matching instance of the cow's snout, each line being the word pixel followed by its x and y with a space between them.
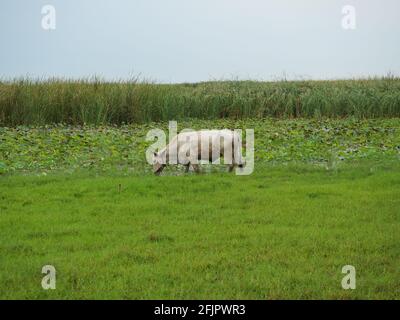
pixel 157 168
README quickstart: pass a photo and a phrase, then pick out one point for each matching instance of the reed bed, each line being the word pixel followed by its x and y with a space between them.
pixel 94 101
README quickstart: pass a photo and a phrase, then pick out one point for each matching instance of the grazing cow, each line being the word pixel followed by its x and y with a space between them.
pixel 187 148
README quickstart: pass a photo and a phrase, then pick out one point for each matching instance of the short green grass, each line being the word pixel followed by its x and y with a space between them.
pixel 325 193
pixel 283 232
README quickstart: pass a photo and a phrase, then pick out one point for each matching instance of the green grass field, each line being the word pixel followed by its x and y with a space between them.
pixel 283 232
pixel 77 193
pixel 324 194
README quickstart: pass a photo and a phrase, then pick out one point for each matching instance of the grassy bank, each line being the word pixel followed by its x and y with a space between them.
pixel 97 102
pixel 104 148
pixel 279 233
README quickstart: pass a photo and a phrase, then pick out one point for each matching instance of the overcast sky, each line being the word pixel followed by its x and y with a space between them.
pixel 199 40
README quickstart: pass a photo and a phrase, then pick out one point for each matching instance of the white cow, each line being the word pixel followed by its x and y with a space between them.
pixel 188 148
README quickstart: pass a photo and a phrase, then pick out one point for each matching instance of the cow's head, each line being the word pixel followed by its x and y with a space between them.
pixel 158 163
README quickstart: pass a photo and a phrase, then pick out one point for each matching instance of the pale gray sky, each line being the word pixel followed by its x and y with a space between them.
pixel 198 40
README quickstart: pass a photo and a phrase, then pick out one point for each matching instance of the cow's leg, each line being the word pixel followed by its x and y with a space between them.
pixel 187 167
pixel 196 168
pixel 231 167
